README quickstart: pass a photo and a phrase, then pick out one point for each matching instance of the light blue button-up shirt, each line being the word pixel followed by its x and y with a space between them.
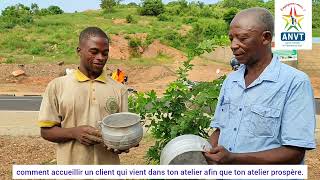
pixel 276 109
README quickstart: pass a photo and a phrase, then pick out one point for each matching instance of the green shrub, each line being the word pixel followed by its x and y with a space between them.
pixel 130 19
pixel 229 14
pixel 206 11
pixel 181 110
pixel 208 29
pixel 55 10
pixel 151 8
pixel 165 17
pixel 189 20
pixel 135 42
pixel 36 50
pixel 16 15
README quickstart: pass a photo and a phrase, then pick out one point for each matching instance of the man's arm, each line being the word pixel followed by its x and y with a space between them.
pixel 281 155
pixel 86 135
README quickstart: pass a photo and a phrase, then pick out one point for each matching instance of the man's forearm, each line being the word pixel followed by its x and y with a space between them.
pixel 281 155
pixel 57 134
pixel 215 137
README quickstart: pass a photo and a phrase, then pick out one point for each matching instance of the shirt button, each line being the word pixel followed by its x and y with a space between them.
pixel 240 109
pixel 234 129
pixel 221 109
pixel 230 149
pixel 93 90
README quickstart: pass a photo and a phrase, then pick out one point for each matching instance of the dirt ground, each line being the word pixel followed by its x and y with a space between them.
pixel 141 78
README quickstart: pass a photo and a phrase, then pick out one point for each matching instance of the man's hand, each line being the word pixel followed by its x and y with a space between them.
pixel 219 155
pixel 87 135
pixel 117 151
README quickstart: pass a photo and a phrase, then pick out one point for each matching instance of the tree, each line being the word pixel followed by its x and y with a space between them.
pixel 16 15
pixel 229 14
pixel 132 4
pixel 242 4
pixel 108 5
pixel 55 10
pixel 270 6
pixel 151 7
pixel 34 8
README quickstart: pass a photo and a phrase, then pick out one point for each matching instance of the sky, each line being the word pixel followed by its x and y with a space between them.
pixel 71 5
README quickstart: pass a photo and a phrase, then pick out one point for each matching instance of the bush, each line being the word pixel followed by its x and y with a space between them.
pixel 181 110
pixel 174 10
pixel 229 14
pixel 55 10
pixel 189 20
pixel 165 17
pixel 206 12
pixel 174 39
pixel 135 43
pixel 151 7
pixel 208 29
pixel 132 4
pixel 130 19
pixel 16 15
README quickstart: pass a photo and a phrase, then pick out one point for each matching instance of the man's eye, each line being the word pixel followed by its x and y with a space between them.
pixel 94 52
pixel 105 53
pixel 242 38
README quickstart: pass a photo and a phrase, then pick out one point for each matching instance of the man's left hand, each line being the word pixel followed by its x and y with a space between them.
pixel 117 151
pixel 219 155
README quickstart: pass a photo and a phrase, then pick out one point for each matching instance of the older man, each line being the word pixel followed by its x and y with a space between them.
pixel 265 113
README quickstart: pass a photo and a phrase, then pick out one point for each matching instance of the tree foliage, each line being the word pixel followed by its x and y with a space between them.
pixel 15 15
pixel 185 107
pixel 108 5
pixel 151 8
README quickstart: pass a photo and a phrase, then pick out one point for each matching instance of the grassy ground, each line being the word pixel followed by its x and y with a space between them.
pixel 53 38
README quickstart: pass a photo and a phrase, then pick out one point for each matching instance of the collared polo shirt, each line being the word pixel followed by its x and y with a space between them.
pixel 276 109
pixel 74 100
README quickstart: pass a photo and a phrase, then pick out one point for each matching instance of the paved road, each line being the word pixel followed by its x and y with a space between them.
pixel 32 103
pixel 20 103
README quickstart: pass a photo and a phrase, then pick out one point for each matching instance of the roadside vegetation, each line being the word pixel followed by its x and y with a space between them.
pixel 31 34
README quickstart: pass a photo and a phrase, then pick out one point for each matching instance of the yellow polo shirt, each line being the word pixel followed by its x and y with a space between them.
pixel 74 100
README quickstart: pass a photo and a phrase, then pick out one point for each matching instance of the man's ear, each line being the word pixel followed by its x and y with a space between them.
pixel 266 37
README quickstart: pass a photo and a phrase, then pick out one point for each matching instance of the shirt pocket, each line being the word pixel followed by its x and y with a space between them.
pixel 263 121
pixel 224 112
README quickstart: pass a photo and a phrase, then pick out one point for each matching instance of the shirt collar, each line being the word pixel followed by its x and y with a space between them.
pixel 82 78
pixel 270 73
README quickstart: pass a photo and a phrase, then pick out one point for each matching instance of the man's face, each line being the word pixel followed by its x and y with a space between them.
pixel 93 53
pixel 246 39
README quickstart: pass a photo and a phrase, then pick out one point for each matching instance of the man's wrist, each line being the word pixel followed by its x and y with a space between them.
pixel 71 133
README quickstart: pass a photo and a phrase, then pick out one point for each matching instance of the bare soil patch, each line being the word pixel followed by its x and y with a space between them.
pixel 119 21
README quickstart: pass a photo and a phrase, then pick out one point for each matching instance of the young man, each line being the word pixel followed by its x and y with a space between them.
pixel 73 105
pixel 265 113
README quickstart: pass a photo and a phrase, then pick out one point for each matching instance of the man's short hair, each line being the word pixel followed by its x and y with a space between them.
pixel 263 17
pixel 92 32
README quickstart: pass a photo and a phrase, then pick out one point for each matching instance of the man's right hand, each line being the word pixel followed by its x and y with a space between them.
pixel 87 135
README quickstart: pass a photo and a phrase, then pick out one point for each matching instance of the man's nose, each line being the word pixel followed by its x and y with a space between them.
pixel 100 57
pixel 234 44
